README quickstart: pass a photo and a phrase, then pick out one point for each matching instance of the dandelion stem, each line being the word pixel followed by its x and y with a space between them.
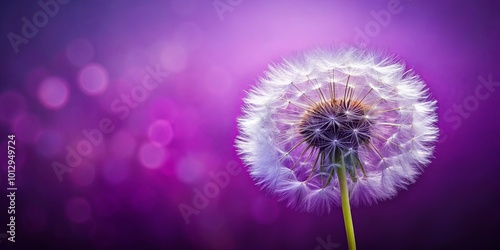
pixel 346 207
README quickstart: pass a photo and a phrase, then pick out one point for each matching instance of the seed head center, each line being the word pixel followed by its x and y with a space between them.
pixel 336 122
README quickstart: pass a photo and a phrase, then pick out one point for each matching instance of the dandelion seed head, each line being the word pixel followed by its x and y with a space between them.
pixel 325 106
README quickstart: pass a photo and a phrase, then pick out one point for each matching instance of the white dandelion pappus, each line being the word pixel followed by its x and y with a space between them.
pixel 325 110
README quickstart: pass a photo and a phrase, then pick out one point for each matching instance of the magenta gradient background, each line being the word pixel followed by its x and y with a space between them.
pixel 125 195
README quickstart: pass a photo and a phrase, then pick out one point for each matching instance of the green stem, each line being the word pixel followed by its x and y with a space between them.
pixel 346 207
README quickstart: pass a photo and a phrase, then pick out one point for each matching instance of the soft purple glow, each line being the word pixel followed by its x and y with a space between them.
pixel 84 175
pixel 144 199
pixel 217 81
pixel 164 108
pixel 122 145
pixel 49 143
pixel 11 105
pixel 80 52
pixel 212 63
pixel 264 210
pixel 27 127
pixel 115 172
pixel 183 7
pixel 189 34
pixel 105 204
pixel 173 57
pixel 53 93
pixel 78 210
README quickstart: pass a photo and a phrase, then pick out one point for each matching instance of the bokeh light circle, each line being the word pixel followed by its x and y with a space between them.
pixel 93 79
pixel 160 132
pixel 151 155
pixel 189 170
pixel 53 93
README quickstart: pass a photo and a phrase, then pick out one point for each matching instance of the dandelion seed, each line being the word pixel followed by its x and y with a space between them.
pixel 353 126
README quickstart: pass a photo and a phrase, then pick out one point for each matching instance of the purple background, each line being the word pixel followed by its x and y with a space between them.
pixel 126 193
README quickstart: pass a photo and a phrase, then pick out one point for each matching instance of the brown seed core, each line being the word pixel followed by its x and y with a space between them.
pixel 336 122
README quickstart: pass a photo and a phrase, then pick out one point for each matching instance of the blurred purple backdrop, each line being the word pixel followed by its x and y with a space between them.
pixel 126 193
